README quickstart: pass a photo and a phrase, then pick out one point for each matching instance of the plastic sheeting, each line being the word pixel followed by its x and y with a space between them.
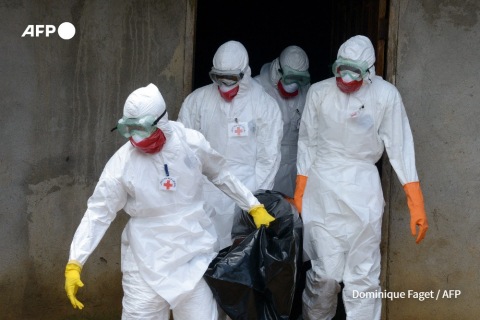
pixel 255 278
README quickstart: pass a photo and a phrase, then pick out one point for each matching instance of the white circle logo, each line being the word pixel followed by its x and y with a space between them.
pixel 66 30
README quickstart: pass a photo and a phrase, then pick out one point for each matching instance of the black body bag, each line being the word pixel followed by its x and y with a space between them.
pixel 255 278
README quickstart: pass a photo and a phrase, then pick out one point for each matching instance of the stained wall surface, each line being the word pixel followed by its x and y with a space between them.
pixel 437 74
pixel 60 98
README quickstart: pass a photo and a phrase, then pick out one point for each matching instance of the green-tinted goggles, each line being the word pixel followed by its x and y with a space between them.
pixel 357 70
pixel 289 76
pixel 228 78
pixel 142 127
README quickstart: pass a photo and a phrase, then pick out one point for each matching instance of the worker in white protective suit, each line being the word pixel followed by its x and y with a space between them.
pixel 242 123
pixel 169 240
pixel 287 80
pixel 347 123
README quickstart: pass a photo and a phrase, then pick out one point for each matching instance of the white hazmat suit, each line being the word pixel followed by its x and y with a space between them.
pixel 291 108
pixel 342 136
pixel 254 156
pixel 169 240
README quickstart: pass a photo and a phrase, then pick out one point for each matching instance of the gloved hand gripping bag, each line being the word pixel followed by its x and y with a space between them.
pixel 255 278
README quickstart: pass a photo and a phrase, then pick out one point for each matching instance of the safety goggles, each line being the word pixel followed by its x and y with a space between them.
pixel 289 76
pixel 228 78
pixel 142 127
pixel 357 70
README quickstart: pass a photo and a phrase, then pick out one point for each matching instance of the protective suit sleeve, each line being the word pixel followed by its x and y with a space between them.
pixel 215 168
pixel 269 133
pixel 395 132
pixel 188 114
pixel 108 198
pixel 307 137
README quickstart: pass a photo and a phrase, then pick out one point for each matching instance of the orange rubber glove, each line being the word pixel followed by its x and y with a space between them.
pixel 299 190
pixel 417 210
pixel 289 200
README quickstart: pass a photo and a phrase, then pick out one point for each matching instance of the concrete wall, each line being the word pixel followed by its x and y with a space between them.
pixel 60 98
pixel 437 70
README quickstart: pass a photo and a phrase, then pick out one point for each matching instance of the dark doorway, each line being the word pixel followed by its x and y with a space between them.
pixel 265 28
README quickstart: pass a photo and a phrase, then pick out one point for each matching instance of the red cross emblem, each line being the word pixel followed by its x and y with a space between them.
pixel 238 131
pixel 168 185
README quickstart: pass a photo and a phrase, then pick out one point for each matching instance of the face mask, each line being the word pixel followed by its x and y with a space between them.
pixel 152 144
pixel 290 88
pixel 283 91
pixel 228 93
pixel 347 79
pixel 348 87
pixel 137 138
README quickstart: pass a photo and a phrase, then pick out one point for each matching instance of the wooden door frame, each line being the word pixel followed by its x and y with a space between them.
pixel 387 172
pixel 189 51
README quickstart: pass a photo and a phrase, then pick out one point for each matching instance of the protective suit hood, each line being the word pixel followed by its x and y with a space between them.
pixel 274 74
pixel 148 101
pixel 232 55
pixel 292 56
pixel 295 58
pixel 359 48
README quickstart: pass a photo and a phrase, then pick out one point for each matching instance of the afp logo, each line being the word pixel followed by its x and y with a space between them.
pixel 66 30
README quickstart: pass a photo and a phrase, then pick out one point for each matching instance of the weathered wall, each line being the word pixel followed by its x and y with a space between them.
pixel 60 98
pixel 437 74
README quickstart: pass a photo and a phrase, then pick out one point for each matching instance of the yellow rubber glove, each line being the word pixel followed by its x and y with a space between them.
pixel 418 216
pixel 260 215
pixel 299 190
pixel 72 282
